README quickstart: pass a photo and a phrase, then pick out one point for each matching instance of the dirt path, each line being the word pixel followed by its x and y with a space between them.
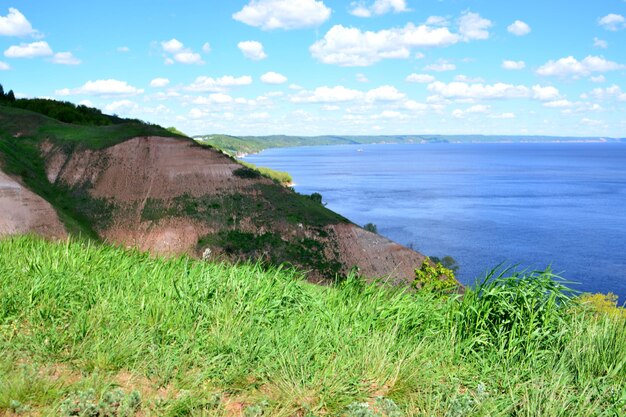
pixel 22 211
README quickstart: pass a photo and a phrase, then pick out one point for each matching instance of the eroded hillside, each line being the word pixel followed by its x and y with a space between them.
pixel 170 195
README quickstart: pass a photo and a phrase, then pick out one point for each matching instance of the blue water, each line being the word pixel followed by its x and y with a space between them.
pixel 534 205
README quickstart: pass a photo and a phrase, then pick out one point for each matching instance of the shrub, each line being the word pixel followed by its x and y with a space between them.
pixel 245 172
pixel 603 304
pixel 435 278
pixel 371 227
pixel 317 197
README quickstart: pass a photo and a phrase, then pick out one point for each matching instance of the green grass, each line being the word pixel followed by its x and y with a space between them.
pixel 280 177
pixel 79 320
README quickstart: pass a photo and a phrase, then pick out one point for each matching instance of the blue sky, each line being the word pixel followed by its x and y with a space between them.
pixel 307 67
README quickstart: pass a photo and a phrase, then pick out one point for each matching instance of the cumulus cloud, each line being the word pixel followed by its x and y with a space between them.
pixel 570 66
pixel 612 22
pixel 221 84
pixel 4 66
pixel 599 43
pixel 175 51
pixel 29 50
pixel 558 104
pixel 337 94
pixel 159 82
pixel 384 93
pixel 206 48
pixel 283 14
pixel 474 27
pixel 513 65
pixel 252 50
pixel 121 106
pixel 377 8
pixel 65 58
pixel 348 46
pixel 15 24
pixel 440 66
pixel 420 78
pixel 273 78
pixel 518 28
pixel 462 90
pixel 613 92
pixel 108 87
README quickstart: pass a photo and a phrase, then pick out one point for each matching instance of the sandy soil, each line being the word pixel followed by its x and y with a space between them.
pixel 22 211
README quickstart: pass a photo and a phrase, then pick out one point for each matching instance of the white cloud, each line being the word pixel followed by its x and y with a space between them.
pixel 121 106
pixel 326 94
pixel 590 122
pixel 123 49
pixel 508 115
pixel 513 65
pixel 206 48
pixel 613 92
pixel 362 78
pixel 461 90
pixel 599 43
pixel 65 58
pixel 519 28
pixel 273 78
pixel 352 47
pixel 545 93
pixel 384 93
pixel 441 66
pixel 612 22
pixel 214 98
pixel 570 66
pixel 478 108
pixel 4 66
pixel 558 104
pixel 252 50
pixel 283 14
pixel 29 50
pixel 204 84
pixel 188 57
pixel 175 51
pixel 15 24
pixel 420 78
pixel 598 79
pixel 102 88
pixel 172 46
pixel 377 8
pixel 474 27
pixel 466 79
pixel 159 82
pixel 415 106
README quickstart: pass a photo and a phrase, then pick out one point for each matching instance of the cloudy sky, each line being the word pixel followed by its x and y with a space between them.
pixel 309 67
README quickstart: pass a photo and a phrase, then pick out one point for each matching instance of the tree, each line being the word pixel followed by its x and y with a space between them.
pixel 1 92
pixel 11 96
pixel 447 261
pixel 317 197
pixel 371 227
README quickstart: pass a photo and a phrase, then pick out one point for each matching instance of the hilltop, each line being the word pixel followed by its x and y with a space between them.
pixel 131 183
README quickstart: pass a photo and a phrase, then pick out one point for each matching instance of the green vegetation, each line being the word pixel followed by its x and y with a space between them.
pixel 280 177
pixel 90 325
pixel 371 227
pixel 234 145
pixel 434 277
pixel 23 131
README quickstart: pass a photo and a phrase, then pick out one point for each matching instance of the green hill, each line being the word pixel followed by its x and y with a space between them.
pixel 100 331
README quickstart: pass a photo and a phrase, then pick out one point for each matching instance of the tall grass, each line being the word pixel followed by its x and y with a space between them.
pixel 214 339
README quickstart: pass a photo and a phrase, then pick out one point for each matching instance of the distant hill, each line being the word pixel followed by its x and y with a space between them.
pixel 132 183
pixel 237 145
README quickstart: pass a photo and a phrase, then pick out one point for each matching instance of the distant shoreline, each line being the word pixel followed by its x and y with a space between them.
pixel 243 146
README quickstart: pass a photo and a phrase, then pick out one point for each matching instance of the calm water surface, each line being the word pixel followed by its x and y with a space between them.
pixel 483 204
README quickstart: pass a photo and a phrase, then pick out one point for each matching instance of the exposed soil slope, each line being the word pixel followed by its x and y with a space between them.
pixel 173 196
pixel 22 211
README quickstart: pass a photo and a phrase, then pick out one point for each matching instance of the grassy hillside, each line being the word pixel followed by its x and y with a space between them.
pixel 23 131
pixel 254 144
pixel 99 330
